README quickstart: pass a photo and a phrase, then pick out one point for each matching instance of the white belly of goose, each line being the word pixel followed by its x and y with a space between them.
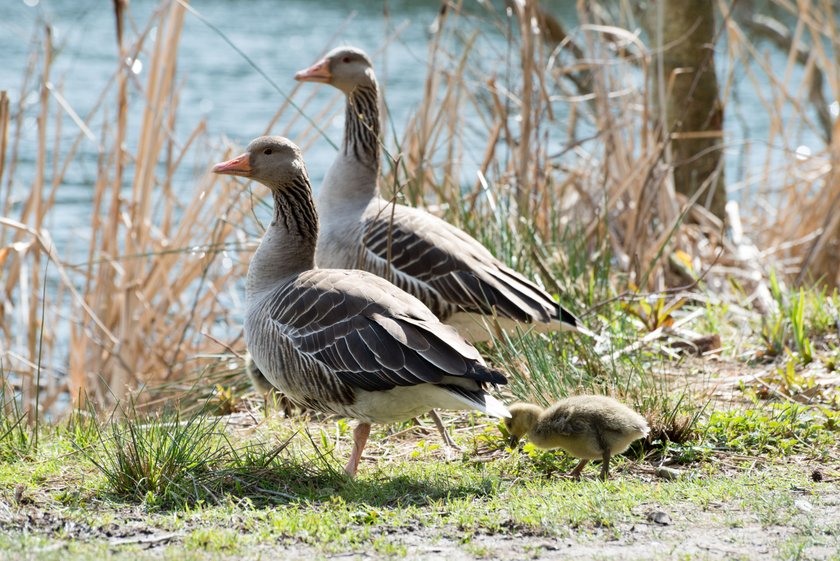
pixel 401 403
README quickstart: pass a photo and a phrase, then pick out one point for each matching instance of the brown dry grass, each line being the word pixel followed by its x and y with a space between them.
pixel 616 183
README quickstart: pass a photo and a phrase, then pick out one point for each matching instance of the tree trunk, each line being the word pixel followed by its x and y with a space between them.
pixel 693 112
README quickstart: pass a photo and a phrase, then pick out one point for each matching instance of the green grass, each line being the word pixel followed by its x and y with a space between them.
pixel 16 437
pixel 161 460
pixel 801 321
pixel 225 490
pixel 777 429
pixel 207 488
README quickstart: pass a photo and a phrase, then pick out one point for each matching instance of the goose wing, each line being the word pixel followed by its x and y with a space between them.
pixel 456 266
pixel 372 335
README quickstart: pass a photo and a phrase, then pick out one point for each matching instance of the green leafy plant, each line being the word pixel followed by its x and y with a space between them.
pixel 654 312
pixel 798 326
pixel 774 334
pixel 778 428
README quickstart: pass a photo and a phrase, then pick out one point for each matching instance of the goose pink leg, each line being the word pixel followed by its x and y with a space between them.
pixel 360 436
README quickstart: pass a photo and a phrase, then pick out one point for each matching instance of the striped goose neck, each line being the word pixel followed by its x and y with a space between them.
pixel 361 125
pixel 294 211
pixel 288 246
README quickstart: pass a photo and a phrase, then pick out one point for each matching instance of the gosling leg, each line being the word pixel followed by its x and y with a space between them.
pixel 575 473
pixel 444 434
pixel 360 436
pixel 605 466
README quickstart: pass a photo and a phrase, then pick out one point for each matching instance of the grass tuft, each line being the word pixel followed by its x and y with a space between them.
pixel 163 460
pixel 16 437
pixel 175 460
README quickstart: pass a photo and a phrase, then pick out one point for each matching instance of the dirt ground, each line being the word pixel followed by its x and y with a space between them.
pixel 718 531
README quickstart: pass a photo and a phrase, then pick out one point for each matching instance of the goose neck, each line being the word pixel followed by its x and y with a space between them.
pixel 288 246
pixel 361 126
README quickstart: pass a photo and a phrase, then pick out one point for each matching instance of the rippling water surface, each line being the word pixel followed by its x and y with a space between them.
pixel 281 37
pixel 218 85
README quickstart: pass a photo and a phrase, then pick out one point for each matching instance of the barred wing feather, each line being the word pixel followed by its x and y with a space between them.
pixel 372 336
pixel 441 265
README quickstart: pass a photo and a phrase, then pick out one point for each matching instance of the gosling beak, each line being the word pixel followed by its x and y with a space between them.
pixel 239 165
pixel 513 441
pixel 318 72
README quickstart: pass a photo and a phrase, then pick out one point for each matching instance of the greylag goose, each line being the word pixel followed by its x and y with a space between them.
pixel 452 273
pixel 589 427
pixel 344 342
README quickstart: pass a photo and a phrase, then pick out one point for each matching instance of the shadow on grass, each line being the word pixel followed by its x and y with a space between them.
pixel 292 484
pixel 168 465
pixel 300 483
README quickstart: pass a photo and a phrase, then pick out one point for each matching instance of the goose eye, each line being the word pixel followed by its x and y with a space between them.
pixel 345 59
pixel 267 151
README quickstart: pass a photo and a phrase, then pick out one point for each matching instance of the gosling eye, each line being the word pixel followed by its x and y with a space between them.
pixel 267 151
pixel 345 59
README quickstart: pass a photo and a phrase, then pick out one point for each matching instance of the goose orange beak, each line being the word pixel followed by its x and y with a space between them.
pixel 239 165
pixel 318 72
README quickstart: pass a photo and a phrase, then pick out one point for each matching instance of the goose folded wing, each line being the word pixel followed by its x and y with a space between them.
pixel 455 265
pixel 373 336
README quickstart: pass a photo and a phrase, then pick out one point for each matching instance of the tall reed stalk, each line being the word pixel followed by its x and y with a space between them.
pixel 137 311
pixel 605 171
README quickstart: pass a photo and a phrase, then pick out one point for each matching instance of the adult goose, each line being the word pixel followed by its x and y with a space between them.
pixel 451 272
pixel 344 342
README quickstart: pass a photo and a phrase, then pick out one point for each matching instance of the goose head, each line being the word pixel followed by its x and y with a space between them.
pixel 274 161
pixel 345 68
pixel 523 417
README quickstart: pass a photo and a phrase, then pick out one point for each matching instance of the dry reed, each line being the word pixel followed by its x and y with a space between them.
pixel 138 310
pixel 606 172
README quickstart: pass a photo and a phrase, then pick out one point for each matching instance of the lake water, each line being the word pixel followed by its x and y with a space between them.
pixel 282 37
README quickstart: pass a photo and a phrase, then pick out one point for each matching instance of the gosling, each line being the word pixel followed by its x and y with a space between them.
pixel 589 427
